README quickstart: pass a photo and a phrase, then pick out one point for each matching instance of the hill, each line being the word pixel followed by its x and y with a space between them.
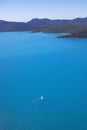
pixel 76 27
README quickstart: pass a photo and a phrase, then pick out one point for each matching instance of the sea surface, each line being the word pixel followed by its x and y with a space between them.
pixel 39 64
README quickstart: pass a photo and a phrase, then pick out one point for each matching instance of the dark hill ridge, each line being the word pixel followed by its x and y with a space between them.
pixel 76 27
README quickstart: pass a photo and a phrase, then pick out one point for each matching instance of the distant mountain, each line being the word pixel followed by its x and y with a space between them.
pixel 12 26
pixel 76 27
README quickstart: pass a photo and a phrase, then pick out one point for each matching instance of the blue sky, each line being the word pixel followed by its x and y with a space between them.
pixel 24 10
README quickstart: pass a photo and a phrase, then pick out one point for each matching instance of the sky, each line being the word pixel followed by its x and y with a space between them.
pixel 25 10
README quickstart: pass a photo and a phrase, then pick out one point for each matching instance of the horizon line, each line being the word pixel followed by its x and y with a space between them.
pixel 43 18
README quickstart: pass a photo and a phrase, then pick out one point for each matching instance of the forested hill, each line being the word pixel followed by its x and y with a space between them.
pixel 76 27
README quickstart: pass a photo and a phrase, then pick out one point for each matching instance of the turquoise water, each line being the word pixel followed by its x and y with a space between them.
pixel 35 64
